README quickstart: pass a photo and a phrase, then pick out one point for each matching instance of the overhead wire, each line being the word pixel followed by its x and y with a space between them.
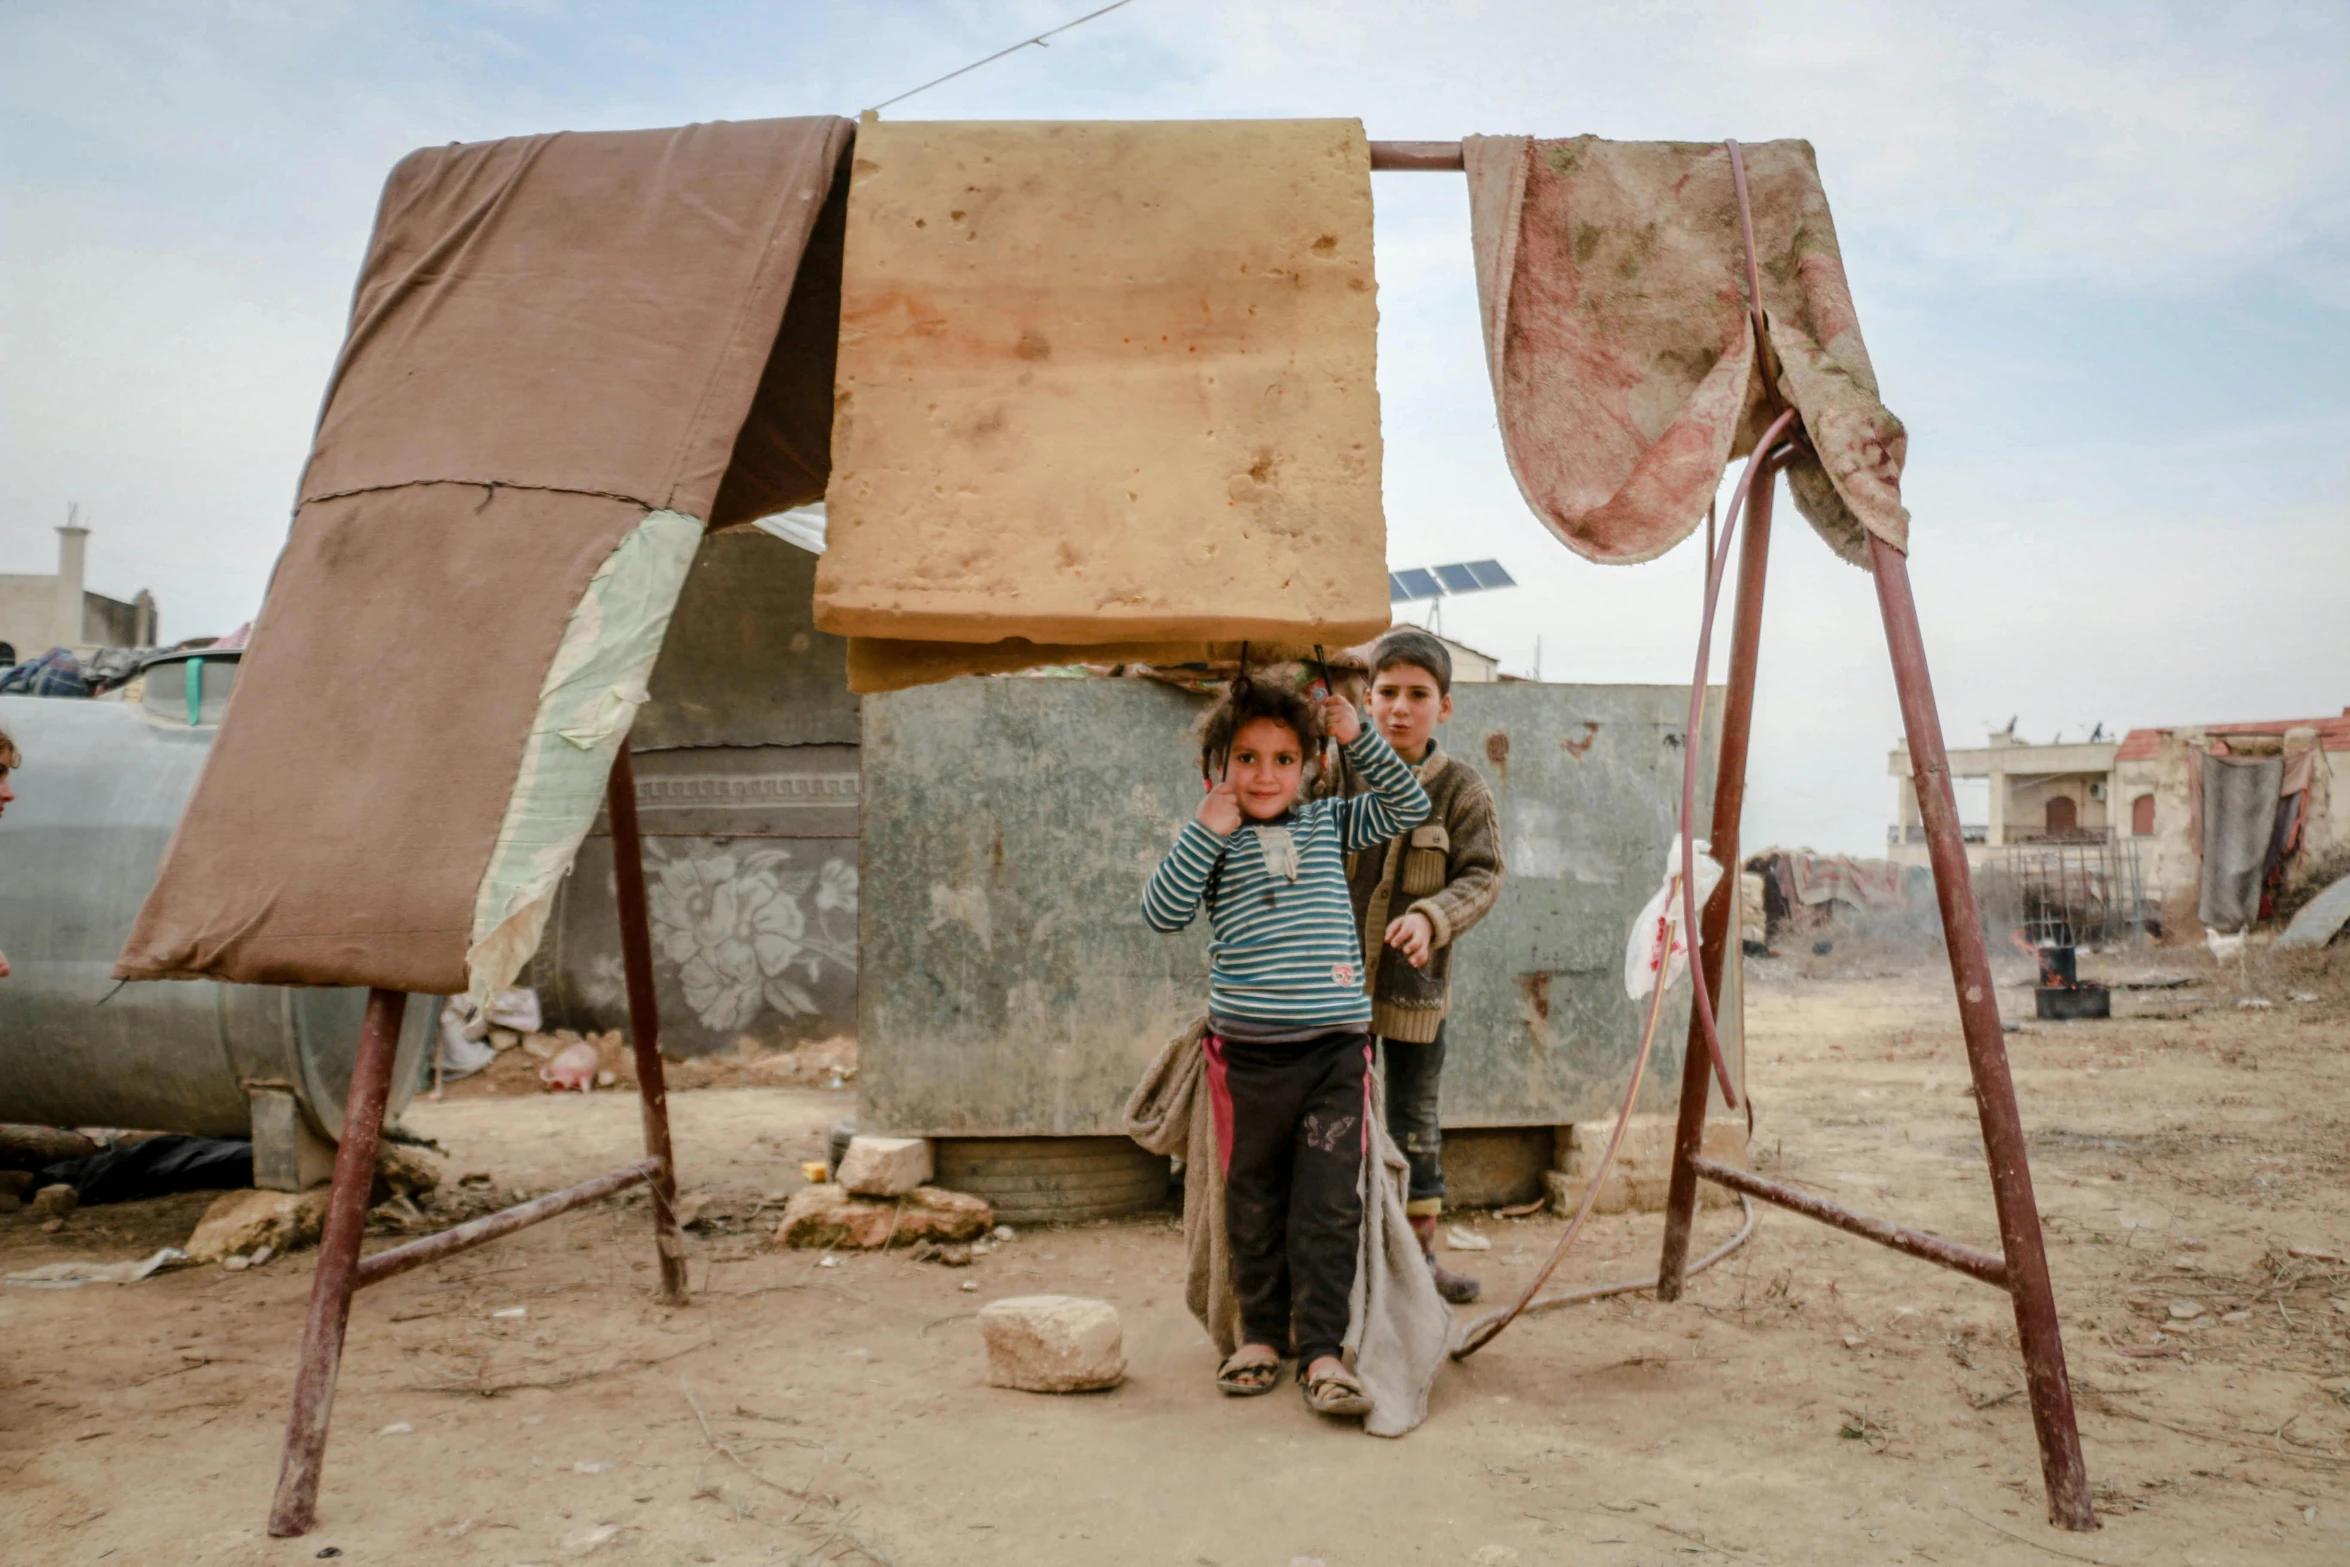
pixel 1038 41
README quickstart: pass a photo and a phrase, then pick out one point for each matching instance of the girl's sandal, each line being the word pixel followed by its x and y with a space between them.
pixel 1251 1372
pixel 1335 1392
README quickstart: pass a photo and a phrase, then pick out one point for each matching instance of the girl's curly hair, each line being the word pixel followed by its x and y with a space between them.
pixel 1249 697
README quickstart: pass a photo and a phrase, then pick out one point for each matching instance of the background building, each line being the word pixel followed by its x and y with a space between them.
pixel 2136 796
pixel 39 612
pixel 2012 791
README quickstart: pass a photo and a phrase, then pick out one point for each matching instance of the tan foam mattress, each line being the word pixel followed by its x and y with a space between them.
pixel 1106 384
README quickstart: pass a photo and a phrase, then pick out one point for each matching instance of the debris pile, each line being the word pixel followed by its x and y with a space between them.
pixel 242 1226
pixel 830 1215
pixel 508 1039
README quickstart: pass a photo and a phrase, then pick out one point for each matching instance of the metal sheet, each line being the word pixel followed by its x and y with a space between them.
pixel 1587 780
pixel 163 686
pixel 1010 824
pixel 744 663
pixel 102 787
pixel 751 856
pixel 1012 987
pixel 746 788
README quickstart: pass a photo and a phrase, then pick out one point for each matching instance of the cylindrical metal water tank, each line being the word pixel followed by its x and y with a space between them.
pixel 102 787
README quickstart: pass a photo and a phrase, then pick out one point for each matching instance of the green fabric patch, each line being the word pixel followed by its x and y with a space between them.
pixel 586 707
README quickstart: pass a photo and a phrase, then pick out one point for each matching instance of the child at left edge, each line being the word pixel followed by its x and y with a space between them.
pixel 1288 1040
pixel 10 761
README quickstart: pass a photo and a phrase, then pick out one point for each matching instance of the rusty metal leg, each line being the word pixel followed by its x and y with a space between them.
pixel 1714 932
pixel 296 1507
pixel 644 1019
pixel 1978 1011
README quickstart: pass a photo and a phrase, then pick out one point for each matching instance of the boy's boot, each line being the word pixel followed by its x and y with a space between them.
pixel 1458 1288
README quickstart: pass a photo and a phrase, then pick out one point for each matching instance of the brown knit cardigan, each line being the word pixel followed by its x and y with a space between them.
pixel 1448 868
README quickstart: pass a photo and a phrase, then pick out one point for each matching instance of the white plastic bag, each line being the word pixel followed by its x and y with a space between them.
pixel 1645 952
pixel 461 1053
pixel 517 1009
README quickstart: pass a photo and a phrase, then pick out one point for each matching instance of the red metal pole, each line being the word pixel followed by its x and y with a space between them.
pixel 1420 157
pixel 296 1508
pixel 2049 1385
pixel 644 1019
pixel 1918 1243
pixel 1714 930
pixel 397 1260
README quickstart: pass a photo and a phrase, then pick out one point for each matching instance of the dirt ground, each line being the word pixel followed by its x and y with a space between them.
pixel 1815 1400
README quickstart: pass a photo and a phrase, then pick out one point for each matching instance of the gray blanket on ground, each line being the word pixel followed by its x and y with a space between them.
pixel 1398 1328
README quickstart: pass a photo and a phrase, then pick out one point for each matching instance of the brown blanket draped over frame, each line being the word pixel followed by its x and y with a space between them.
pixel 1612 277
pixel 553 337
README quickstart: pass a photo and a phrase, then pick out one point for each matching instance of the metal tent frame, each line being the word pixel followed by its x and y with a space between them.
pixel 2021 1270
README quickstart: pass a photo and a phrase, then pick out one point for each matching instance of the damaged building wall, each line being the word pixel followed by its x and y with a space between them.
pixel 2138 793
pixel 2169 858
pixel 2155 788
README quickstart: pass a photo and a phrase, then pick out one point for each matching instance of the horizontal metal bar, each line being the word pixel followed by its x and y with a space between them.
pixel 1432 157
pixel 490 1226
pixel 1933 1248
pixel 793 834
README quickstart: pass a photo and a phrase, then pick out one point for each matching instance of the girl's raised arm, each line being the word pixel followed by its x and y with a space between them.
pixel 1396 802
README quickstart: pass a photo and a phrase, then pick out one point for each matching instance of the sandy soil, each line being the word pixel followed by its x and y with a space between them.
pixel 1816 1400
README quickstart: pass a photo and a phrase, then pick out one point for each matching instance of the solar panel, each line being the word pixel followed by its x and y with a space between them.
pixel 1435 582
pixel 1419 584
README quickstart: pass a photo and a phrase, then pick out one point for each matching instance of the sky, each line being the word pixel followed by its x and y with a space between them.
pixel 2101 257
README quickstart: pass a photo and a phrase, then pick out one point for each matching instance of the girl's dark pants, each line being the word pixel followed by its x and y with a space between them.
pixel 1293 1201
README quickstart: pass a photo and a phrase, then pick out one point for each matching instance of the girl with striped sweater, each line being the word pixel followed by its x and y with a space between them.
pixel 1288 1042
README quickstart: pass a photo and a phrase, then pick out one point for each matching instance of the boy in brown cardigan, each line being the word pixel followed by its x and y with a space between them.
pixel 1422 891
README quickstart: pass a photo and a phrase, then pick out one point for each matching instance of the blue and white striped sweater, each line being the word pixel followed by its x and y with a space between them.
pixel 1287 953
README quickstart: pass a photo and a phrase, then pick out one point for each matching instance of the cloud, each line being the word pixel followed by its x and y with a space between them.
pixel 2102 253
pixel 2113 144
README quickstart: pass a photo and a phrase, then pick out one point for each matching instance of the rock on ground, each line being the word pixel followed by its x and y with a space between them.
pixel 828 1215
pixel 1053 1343
pixel 885 1166
pixel 403 1170
pixel 239 1222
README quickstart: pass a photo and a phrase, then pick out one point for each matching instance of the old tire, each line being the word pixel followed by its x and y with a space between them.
pixel 836 1144
pixel 1044 1180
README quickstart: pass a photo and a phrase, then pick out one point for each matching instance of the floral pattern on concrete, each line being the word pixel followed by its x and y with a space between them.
pixel 737 926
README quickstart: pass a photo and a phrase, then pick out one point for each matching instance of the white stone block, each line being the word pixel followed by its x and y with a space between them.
pixel 885 1166
pixel 1053 1343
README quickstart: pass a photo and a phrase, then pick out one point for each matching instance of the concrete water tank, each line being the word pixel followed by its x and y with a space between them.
pixel 102 787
